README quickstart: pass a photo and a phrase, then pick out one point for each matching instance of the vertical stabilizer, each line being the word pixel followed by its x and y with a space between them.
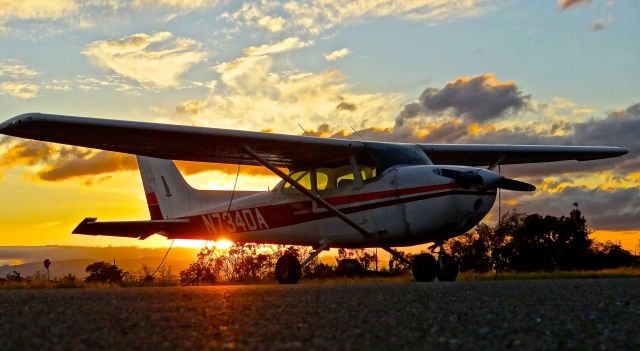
pixel 168 194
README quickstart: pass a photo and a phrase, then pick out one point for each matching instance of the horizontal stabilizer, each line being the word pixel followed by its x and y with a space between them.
pixel 130 229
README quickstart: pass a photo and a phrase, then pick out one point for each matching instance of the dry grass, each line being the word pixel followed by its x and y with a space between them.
pixel 624 272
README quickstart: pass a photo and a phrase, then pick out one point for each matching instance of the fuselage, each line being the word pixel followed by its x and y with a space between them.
pixel 405 205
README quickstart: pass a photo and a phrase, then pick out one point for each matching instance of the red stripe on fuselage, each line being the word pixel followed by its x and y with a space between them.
pixel 286 214
pixel 350 199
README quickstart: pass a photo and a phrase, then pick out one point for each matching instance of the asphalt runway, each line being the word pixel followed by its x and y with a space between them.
pixel 522 315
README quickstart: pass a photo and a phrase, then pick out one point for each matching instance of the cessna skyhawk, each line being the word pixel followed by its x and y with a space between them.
pixel 337 193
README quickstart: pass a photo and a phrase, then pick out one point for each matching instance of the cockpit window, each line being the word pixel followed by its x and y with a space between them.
pixel 302 177
pixel 383 156
pixel 334 177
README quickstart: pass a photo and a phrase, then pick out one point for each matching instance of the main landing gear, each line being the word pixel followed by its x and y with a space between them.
pixel 289 269
pixel 425 267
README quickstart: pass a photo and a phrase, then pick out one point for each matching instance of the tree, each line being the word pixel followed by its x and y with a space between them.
pixel 47 263
pixel 204 271
pixel 103 272
pixel 363 256
pixel 472 250
pixel 521 242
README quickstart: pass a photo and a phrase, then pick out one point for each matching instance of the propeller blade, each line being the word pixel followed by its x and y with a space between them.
pixel 515 185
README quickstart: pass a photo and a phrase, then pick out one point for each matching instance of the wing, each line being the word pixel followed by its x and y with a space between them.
pixel 484 155
pixel 176 142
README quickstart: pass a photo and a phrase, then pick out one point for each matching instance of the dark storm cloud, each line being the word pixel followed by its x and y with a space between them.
pixel 477 99
pixel 617 209
pixel 346 106
pixel 57 163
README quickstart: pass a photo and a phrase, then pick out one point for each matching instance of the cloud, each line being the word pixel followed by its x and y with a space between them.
pixel 191 107
pixel 616 209
pixel 255 14
pixel 155 59
pixel 287 44
pixel 22 90
pixel 565 4
pixel 25 152
pixel 315 16
pixel 176 4
pixel 337 54
pixel 36 9
pixel 250 94
pixel 346 106
pixel 13 69
pixel 79 165
pixel 15 79
pixel 597 25
pixel 475 99
pixel 52 162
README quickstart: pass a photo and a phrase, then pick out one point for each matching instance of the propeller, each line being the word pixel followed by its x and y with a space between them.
pixel 484 179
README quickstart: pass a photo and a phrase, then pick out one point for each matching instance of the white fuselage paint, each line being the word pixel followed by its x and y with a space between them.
pixel 406 205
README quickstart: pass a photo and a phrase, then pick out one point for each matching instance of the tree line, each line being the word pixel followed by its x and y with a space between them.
pixel 525 243
pixel 518 242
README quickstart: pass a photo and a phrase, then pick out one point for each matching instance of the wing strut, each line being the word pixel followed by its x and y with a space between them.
pixel 313 197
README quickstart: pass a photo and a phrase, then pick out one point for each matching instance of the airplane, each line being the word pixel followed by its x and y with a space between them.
pixel 337 193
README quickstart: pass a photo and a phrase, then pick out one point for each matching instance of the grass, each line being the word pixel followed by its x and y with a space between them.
pixel 625 272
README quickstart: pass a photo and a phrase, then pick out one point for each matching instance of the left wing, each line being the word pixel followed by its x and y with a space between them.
pixel 177 142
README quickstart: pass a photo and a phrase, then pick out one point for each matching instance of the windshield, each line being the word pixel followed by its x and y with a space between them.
pixel 382 156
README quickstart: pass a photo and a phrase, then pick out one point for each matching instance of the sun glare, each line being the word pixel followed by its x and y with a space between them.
pixel 196 244
pixel 223 244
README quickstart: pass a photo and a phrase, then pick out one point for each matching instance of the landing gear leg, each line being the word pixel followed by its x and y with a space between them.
pixel 447 266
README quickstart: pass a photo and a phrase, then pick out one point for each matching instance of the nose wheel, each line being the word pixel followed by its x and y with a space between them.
pixel 426 268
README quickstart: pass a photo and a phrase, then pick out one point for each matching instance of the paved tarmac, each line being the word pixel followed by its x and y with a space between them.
pixel 522 315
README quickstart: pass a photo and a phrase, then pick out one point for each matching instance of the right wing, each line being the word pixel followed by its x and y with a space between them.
pixel 485 155
pixel 177 142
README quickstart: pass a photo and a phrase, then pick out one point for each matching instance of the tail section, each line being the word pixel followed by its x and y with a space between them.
pixel 168 194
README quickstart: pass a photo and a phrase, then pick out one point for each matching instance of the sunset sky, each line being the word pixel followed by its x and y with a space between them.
pixel 470 71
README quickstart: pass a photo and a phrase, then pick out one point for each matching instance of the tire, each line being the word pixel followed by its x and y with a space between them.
pixel 425 268
pixel 448 269
pixel 288 270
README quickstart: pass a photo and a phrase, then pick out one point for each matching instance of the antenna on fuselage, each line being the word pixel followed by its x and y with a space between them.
pixel 304 131
pixel 356 133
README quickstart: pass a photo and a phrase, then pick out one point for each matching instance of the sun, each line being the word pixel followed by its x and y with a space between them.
pixel 196 244
pixel 223 244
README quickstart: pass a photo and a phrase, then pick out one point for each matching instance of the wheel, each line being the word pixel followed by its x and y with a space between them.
pixel 288 270
pixel 425 268
pixel 447 269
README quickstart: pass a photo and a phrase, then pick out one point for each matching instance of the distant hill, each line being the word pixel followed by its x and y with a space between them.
pixel 28 260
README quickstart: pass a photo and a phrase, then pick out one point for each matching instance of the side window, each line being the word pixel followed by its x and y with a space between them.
pixel 367 172
pixel 302 177
pixel 334 177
